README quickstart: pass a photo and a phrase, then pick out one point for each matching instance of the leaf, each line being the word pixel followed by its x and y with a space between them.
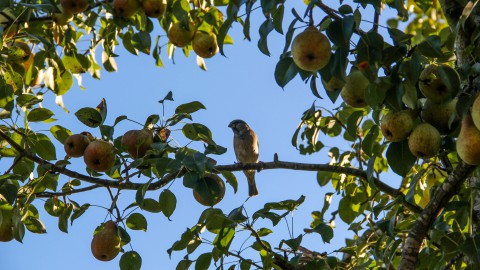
pixel 203 261
pixel 430 47
pixel 265 29
pixel 60 133
pixel 142 41
pixel 285 71
pixel 89 117
pixel 325 231
pixel 189 107
pixel 168 202
pixel 39 114
pixel 400 158
pixel 137 221
pixel 347 210
pixel 339 31
pixel 294 243
pixel 140 194
pixel 44 147
pixel 151 205
pixel 130 260
pixel 169 97
pixel 231 179
pixel 198 132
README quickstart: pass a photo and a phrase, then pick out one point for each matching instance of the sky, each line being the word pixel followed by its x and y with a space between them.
pixel 238 86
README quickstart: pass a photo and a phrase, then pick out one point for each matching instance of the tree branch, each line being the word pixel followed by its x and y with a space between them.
pixel 420 229
pixel 61 194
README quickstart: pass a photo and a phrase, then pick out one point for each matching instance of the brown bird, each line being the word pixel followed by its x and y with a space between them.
pixel 245 144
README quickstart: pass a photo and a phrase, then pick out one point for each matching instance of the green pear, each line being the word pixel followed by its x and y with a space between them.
pixel 441 116
pixel 137 142
pixel 432 86
pixel 397 125
pixel 205 45
pixel 311 49
pixel 353 93
pixel 106 243
pixel 180 34
pixel 334 84
pixel 6 226
pixel 154 8
pixel 468 142
pixel 74 6
pixel 424 141
pixel 99 156
pixel 126 8
pixel 476 112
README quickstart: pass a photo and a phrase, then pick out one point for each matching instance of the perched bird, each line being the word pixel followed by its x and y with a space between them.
pixel 245 144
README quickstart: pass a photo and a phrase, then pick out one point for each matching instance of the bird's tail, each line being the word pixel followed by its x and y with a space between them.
pixel 252 186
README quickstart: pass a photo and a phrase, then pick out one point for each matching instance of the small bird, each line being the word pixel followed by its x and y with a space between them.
pixel 245 144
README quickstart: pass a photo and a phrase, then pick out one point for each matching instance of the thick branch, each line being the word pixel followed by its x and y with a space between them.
pixel 420 229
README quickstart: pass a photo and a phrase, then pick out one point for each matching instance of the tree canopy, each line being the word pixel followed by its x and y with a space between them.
pixel 408 109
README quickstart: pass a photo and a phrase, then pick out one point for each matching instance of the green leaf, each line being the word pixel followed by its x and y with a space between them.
pixel 400 158
pixel 142 41
pixel 347 210
pixel 198 132
pixel 44 147
pixel 289 205
pixel 77 63
pixel 285 71
pixel 168 202
pixel 278 18
pixel 339 31
pixel 430 47
pixel 140 194
pixel 325 231
pixel 183 265
pixel 60 133
pixel 89 116
pixel 203 261
pixel 265 29
pixel 39 114
pixel 189 107
pixel 169 97
pixel 151 205
pixel 130 260
pixel 137 221
pixel 231 179
pixel 294 243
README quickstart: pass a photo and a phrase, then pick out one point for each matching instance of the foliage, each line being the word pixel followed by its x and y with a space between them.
pixel 380 215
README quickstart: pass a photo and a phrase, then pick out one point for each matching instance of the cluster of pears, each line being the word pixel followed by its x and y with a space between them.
pixel 311 49
pixel 69 8
pixel 128 8
pixel 183 33
pixel 99 155
pixel 106 242
pixel 468 140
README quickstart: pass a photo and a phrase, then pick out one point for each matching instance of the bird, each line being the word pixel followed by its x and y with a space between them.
pixel 245 144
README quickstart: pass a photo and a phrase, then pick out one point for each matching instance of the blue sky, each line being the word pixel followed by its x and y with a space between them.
pixel 240 85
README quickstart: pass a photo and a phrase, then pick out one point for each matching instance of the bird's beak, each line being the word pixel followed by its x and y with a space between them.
pixel 231 125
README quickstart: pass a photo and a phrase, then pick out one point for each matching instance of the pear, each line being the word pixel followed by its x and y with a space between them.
pixel 439 115
pixel 397 125
pixel 212 191
pixel 311 49
pixel 76 144
pixel 74 6
pixel 137 142
pixel 6 226
pixel 205 45
pixel 154 8
pixel 353 93
pixel 432 86
pixel 99 156
pixel 180 34
pixel 468 142
pixel 476 112
pixel 21 52
pixel 106 243
pixel 334 84
pixel 424 141
pixel 126 8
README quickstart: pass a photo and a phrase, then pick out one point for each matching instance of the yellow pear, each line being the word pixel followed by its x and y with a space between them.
pixel 424 141
pixel 438 115
pixel 432 86
pixel 311 49
pixel 476 112
pixel 106 243
pixel 397 125
pixel 353 93
pixel 154 8
pixel 126 8
pixel 468 142
pixel 334 84
pixel 205 45
pixel 180 34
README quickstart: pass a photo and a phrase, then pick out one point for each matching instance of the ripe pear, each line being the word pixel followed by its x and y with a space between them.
pixel 215 192
pixel 476 112
pixel 205 45
pixel 76 144
pixel 154 8
pixel 6 226
pixel 334 84
pixel 397 125
pixel 424 141
pixel 74 6
pixel 99 156
pixel 438 115
pixel 311 49
pixel 353 93
pixel 106 243
pixel 180 34
pixel 468 142
pixel 137 142
pixel 126 8
pixel 432 86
